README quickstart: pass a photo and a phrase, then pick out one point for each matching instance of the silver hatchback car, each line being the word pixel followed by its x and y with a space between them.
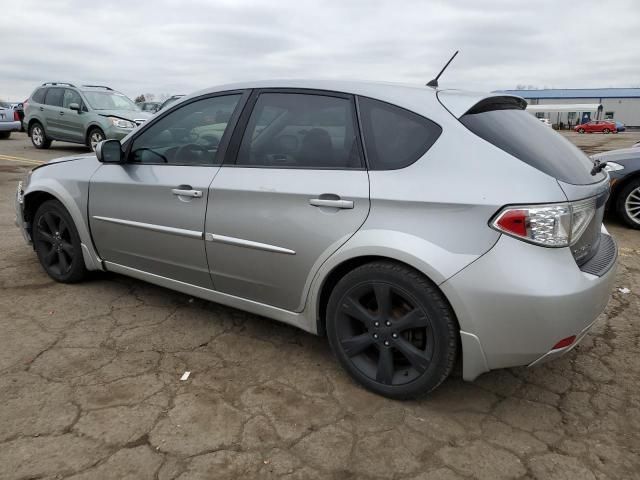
pixel 411 226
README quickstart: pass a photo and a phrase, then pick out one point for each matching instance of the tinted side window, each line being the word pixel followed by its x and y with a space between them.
pixel 394 137
pixel 54 97
pixel 70 96
pixel 38 95
pixel 292 130
pixel 520 134
pixel 188 135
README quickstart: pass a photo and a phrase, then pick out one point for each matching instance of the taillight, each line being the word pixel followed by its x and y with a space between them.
pixel 551 225
pixel 16 117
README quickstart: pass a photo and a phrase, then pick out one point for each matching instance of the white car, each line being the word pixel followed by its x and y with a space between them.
pixel 545 121
pixel 9 122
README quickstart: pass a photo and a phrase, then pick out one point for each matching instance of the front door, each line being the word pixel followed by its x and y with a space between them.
pixel 149 213
pixel 295 192
pixel 71 121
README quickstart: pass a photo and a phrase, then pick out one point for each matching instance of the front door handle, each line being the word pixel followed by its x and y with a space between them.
pixel 187 193
pixel 61 113
pixel 323 202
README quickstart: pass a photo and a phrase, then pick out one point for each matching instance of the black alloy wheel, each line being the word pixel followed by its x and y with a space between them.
pixel 392 330
pixel 57 243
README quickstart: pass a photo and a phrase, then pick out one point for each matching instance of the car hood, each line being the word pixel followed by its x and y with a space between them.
pixel 125 114
pixel 618 156
pixel 70 158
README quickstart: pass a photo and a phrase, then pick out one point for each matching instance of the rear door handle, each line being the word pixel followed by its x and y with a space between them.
pixel 61 113
pixel 187 193
pixel 321 202
pixel 42 109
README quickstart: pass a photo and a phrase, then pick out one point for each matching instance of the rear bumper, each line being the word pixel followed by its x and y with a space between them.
pixel 518 300
pixel 13 126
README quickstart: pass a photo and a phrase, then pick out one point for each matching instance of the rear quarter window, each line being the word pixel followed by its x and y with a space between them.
pixel 38 95
pixel 517 132
pixel 394 137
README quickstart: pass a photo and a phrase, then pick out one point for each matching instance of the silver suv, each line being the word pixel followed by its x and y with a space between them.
pixel 411 226
pixel 86 114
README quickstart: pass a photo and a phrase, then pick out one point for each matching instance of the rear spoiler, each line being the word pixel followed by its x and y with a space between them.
pixel 459 102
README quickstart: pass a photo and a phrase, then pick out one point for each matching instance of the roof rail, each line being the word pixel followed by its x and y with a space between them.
pixel 59 83
pixel 99 86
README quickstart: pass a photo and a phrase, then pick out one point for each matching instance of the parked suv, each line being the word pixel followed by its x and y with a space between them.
pixel 407 224
pixel 86 114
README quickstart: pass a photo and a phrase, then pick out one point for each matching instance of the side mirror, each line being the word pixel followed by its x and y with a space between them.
pixel 74 106
pixel 109 151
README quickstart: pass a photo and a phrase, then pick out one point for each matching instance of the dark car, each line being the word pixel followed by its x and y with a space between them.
pixel 151 107
pixel 624 170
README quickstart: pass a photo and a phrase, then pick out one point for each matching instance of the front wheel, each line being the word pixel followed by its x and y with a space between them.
pixel 94 138
pixel 392 330
pixel 628 204
pixel 581 130
pixel 57 243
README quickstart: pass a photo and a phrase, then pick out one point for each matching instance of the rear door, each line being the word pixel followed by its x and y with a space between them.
pixel 295 191
pixel 148 214
pixel 51 112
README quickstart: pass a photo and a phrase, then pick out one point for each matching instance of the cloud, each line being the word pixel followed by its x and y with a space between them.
pixel 173 46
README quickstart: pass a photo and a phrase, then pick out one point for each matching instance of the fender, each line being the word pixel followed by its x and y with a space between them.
pixel 68 182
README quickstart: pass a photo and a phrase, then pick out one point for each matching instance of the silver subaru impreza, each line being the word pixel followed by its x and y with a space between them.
pixel 412 226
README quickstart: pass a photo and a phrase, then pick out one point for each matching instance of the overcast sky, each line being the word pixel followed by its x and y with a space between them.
pixel 178 46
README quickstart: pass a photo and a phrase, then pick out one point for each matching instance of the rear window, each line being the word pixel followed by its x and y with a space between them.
pixel 510 128
pixel 394 137
pixel 38 95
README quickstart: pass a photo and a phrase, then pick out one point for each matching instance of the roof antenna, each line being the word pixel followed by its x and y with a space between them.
pixel 434 83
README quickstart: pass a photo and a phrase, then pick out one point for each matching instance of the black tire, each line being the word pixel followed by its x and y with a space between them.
pixel 38 136
pixel 581 130
pixel 606 130
pixel 392 330
pixel 57 243
pixel 94 136
pixel 4 135
pixel 628 203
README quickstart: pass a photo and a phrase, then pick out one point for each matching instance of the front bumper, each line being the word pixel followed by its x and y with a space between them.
pixel 13 126
pixel 20 222
pixel 518 300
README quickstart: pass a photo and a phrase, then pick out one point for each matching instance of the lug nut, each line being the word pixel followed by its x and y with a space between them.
pixel 386 343
pixel 376 324
pixel 375 335
pixel 394 335
pixel 388 323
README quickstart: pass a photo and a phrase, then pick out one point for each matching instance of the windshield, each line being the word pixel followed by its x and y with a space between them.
pixel 4 104
pixel 109 101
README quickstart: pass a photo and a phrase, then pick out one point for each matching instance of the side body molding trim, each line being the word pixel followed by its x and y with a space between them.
pixel 151 226
pixel 212 237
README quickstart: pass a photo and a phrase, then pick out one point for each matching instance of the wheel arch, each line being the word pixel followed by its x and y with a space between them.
pixel 619 186
pixel 31 122
pixel 37 195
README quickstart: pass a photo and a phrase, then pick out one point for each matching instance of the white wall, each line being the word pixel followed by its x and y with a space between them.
pixel 626 110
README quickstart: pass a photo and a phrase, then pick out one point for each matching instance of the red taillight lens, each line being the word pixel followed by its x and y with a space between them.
pixel 513 221
pixel 565 342
pixel 16 117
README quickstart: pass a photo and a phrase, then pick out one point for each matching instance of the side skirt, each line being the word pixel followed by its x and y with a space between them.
pixel 292 318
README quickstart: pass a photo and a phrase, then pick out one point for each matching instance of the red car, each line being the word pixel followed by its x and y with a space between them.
pixel 603 126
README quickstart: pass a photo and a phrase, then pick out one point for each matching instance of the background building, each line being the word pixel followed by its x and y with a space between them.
pixel 620 104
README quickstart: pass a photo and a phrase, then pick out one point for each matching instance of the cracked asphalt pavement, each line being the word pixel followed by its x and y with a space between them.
pixel 90 386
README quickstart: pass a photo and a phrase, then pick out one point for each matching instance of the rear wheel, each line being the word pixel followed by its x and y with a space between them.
pixel 57 243
pixel 4 135
pixel 606 130
pixel 38 136
pixel 628 204
pixel 94 138
pixel 392 330
pixel 581 130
